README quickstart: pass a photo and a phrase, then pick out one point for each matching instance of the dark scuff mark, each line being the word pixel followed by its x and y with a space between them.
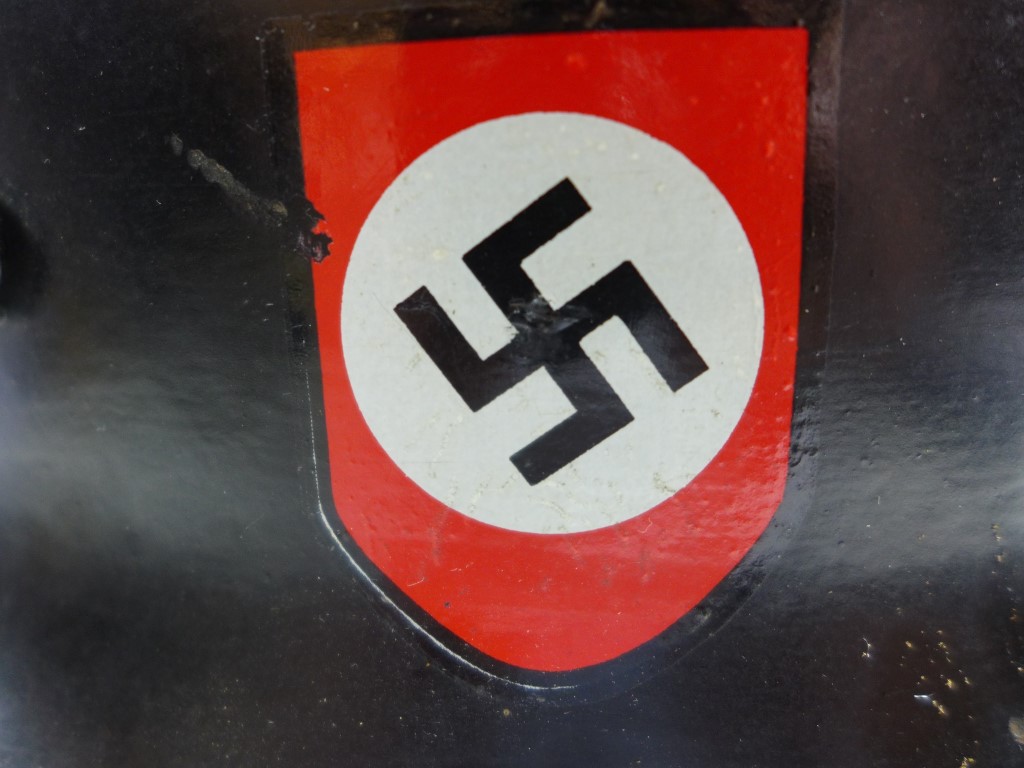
pixel 299 221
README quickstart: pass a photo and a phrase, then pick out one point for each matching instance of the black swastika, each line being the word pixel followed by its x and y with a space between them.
pixel 549 338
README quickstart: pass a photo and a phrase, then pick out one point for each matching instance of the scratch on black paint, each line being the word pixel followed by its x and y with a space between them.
pixel 597 14
pixel 299 223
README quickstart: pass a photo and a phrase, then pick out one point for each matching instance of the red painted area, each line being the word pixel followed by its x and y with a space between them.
pixel 733 101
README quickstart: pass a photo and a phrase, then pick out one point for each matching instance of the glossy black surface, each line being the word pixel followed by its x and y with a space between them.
pixel 166 595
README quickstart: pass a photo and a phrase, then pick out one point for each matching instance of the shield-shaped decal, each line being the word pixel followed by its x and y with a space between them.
pixel 557 327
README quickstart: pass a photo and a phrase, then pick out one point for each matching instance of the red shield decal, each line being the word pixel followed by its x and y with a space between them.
pixel 558 323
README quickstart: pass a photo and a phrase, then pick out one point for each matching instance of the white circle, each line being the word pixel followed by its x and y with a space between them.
pixel 649 205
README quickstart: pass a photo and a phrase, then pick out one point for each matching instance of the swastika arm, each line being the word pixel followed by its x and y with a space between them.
pixel 599 414
pixel 623 292
pixel 496 260
pixel 477 381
